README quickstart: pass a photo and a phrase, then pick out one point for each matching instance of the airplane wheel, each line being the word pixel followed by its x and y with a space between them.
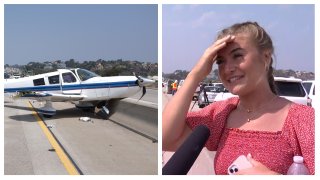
pixel 87 109
pixel 100 104
pixel 47 116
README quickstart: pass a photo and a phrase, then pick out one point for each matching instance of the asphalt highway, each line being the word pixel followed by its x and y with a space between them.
pixel 96 147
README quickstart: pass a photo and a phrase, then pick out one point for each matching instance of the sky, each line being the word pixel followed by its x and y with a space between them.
pixel 82 32
pixel 189 29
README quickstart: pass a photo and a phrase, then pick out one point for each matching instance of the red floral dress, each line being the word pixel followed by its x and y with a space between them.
pixel 273 149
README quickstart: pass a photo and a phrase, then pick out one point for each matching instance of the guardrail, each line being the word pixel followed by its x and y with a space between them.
pixel 138 116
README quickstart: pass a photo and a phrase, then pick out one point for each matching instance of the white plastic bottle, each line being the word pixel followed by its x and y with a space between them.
pixel 298 167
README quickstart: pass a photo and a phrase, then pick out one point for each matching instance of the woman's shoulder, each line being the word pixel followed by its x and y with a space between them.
pixel 302 109
pixel 296 109
pixel 301 114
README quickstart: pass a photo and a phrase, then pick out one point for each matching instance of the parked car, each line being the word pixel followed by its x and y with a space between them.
pixel 211 93
pixel 289 88
pixel 220 86
pixel 224 95
pixel 6 76
pixel 310 88
pixel 292 89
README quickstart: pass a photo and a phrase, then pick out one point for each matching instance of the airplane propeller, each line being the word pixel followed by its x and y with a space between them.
pixel 144 90
pixel 140 82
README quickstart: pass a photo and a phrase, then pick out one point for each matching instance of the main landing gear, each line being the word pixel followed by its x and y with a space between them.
pixel 47 110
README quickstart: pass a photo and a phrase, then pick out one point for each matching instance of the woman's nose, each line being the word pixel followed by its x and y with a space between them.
pixel 230 66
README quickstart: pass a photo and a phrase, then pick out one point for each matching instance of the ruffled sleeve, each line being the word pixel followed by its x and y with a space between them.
pixel 300 130
pixel 214 117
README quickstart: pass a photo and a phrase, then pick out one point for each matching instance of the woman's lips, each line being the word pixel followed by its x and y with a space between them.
pixel 234 79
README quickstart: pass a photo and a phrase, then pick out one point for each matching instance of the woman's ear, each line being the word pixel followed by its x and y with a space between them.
pixel 267 59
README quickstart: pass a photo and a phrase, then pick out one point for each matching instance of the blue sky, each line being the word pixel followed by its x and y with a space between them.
pixel 81 32
pixel 189 29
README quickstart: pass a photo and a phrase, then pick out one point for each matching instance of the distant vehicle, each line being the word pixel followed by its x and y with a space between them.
pixel 15 76
pixel 292 89
pixel 6 76
pixel 207 96
pixel 220 86
pixel 224 95
pixel 211 93
pixel 310 88
pixel 289 88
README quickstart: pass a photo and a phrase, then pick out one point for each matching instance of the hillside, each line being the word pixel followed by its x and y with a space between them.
pixel 101 67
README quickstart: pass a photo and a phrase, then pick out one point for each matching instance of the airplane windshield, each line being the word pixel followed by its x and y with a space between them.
pixel 85 74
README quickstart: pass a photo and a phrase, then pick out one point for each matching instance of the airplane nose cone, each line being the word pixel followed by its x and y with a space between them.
pixel 146 82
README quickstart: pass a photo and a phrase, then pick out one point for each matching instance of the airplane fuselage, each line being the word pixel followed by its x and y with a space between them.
pixel 84 88
pixel 92 89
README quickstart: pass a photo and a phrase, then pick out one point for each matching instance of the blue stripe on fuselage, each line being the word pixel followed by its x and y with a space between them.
pixel 73 86
pixel 36 95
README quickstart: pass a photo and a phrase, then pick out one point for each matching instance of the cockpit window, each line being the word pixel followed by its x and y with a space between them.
pixel 68 78
pixel 85 74
pixel 38 82
pixel 54 79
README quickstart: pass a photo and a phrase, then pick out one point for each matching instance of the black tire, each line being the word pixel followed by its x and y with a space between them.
pixel 47 116
pixel 100 104
pixel 87 109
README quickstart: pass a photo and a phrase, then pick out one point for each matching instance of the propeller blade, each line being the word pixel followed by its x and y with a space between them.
pixel 140 80
pixel 144 90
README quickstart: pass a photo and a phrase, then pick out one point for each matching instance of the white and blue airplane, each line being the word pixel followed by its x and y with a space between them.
pixel 84 88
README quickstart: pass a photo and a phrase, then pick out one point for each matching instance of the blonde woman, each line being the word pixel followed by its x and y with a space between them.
pixel 258 123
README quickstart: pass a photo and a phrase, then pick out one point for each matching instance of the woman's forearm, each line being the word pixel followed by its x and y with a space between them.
pixel 174 114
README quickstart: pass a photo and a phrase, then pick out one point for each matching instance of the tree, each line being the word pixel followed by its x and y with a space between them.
pixel 71 63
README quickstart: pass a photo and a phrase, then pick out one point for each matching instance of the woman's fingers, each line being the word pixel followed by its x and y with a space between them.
pixel 226 39
pixel 218 45
pixel 204 65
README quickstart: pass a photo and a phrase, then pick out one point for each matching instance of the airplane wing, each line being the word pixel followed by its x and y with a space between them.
pixel 45 96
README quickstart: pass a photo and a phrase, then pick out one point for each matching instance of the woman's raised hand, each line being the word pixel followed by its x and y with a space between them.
pixel 204 65
pixel 174 127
